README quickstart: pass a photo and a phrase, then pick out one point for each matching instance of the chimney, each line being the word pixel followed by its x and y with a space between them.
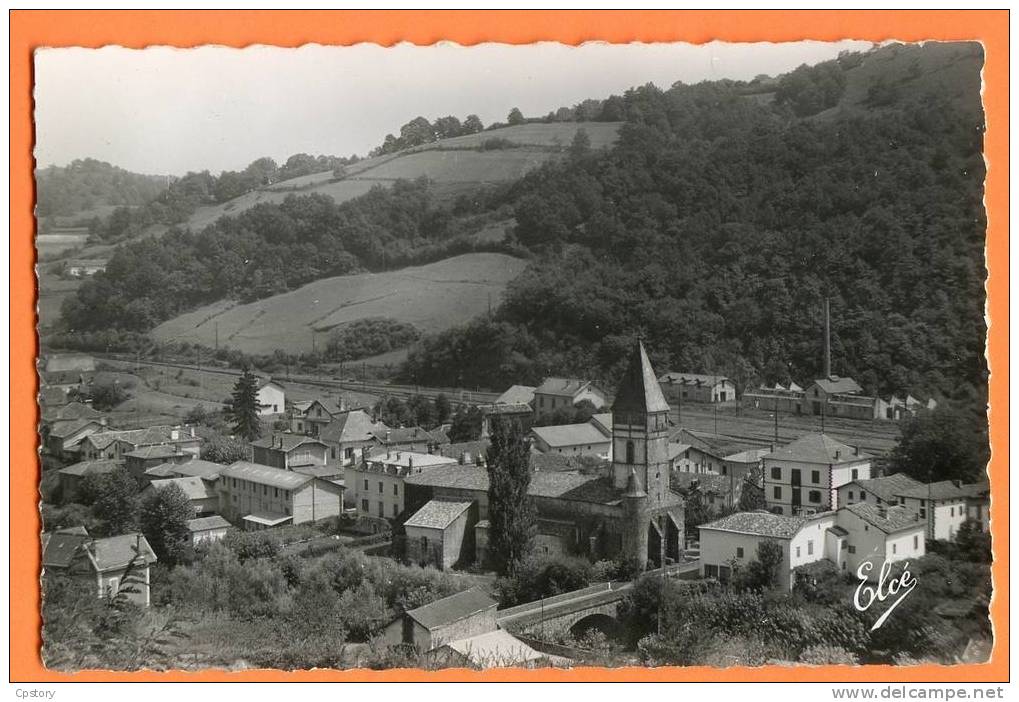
pixel 410 464
pixel 856 450
pixel 827 338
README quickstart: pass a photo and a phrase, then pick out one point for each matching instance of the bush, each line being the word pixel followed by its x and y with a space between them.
pixel 253 544
pixel 536 578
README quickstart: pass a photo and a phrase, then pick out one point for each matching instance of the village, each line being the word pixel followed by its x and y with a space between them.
pixel 612 478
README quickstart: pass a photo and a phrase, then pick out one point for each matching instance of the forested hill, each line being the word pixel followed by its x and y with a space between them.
pixel 87 186
pixel 728 211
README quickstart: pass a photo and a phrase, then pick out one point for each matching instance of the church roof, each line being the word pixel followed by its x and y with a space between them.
pixel 639 390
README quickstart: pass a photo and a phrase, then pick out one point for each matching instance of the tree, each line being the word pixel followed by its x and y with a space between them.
pixel 466 425
pixel 244 407
pixel 163 517
pixel 443 408
pixel 762 572
pixel 515 116
pixel 217 448
pixel 107 395
pixel 581 144
pixel 511 512
pixel 115 501
pixel 473 125
pixel 943 444
pixel 751 497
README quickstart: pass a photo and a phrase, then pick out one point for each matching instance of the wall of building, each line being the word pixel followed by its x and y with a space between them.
pixel 271 399
pixel 375 493
pixel 944 522
pixel 592 449
pixel 828 479
pixel 721 549
pixel 208 536
pixel 480 623
pixel 316 500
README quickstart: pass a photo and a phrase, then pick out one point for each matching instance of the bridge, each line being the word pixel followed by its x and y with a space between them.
pixel 580 610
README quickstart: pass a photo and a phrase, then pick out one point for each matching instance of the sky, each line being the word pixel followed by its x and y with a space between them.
pixel 169 111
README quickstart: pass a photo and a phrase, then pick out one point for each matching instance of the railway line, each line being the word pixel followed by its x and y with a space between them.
pixel 747 426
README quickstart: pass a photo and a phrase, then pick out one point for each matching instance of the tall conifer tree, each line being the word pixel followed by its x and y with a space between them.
pixel 511 512
pixel 244 407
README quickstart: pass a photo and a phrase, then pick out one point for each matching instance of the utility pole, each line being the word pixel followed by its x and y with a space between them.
pixel 714 406
pixel 827 337
pixel 216 327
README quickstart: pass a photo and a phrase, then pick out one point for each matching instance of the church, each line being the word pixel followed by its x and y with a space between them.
pixel 622 511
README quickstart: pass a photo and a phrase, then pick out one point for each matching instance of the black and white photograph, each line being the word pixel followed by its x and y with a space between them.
pixel 512 356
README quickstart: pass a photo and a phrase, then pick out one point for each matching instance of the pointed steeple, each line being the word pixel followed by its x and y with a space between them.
pixel 639 391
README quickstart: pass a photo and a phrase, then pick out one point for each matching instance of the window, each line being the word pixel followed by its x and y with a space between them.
pixel 776 473
pixel 396 510
pixel 739 552
pixel 265 490
pixel 710 571
pixel 815 477
pixel 814 496
pixel 952 512
pixel 797 551
pixel 366 483
pixel 381 488
pixel 856 473
pixel 916 541
pixel 364 506
pixel 777 492
pixel 923 513
pixel 234 482
pixel 333 451
pixel 725 470
pixel 348 452
pixel 396 489
pixel 275 492
pixel 850 495
pixel 852 549
pixel 382 509
pixel 629 452
pixel 810 548
pixel 895 548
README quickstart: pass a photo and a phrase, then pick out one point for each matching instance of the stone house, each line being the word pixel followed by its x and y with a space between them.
pixel 271 398
pixel 438 534
pixel 452 618
pixel 376 485
pixel 289 451
pixel 116 564
pixel 261 496
pixel 565 393
pixel 942 506
pixel 585 439
pixel 697 387
pixel 208 529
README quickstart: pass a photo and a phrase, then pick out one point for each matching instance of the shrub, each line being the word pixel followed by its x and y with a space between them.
pixel 253 544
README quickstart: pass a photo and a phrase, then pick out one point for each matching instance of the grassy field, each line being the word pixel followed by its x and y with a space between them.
pixel 454 164
pixel 431 297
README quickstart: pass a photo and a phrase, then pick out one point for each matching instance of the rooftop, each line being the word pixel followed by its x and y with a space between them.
pixel 351 426
pixel 451 609
pixel 60 548
pixel 692 379
pixel 887 519
pixel 834 383
pixel 195 488
pixel 759 524
pixel 143 437
pixel 92 467
pixel 206 523
pixel 496 648
pixel 156 451
pixel 561 387
pixel 506 408
pixel 285 441
pixel 408 459
pixel 264 475
pixel 570 435
pixel 564 485
pixel 705 482
pixel 438 514
pixel 943 490
pixel 818 448
pixel 63 428
pixel 72 410
pixel 888 487
pixel 517 394
pixel 115 552
pixel 639 391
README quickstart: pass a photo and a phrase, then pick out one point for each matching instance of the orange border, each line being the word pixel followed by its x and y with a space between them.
pixel 31 29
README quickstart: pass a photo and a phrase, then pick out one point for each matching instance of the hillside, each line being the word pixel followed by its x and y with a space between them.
pixel 89 188
pixel 433 298
pixel 454 166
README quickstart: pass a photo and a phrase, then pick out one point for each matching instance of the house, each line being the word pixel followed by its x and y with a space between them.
pixel 978 503
pixel 84 267
pixel 289 451
pixel 438 534
pixel 312 416
pixel 452 618
pixel 271 397
pixel 493 649
pixel 572 440
pixel 565 393
pixel 201 493
pixel 71 476
pixel 703 452
pixel 836 396
pixel 116 443
pixel 696 387
pixel 941 506
pixel 804 476
pixel 687 458
pixel 846 537
pixel 68 411
pixel 777 398
pixel 414 439
pixel 348 434
pixel 623 508
pixel 376 485
pixel 879 534
pixel 62 438
pixel 519 412
pixel 145 457
pixel 883 490
pixel 517 395
pixel 745 465
pixel 207 529
pixel 117 563
pixel 261 496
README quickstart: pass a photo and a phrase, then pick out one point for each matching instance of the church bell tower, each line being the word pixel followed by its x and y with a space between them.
pixel 640 431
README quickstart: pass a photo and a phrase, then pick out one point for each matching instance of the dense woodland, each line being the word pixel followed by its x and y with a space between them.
pixel 716 226
pixel 86 184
